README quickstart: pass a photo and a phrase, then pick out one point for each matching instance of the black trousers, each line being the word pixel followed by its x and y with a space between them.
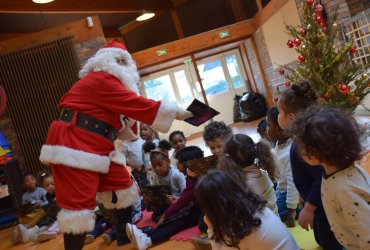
pixel 323 235
pixel 166 231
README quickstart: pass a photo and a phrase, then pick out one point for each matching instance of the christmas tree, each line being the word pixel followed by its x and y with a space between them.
pixel 337 80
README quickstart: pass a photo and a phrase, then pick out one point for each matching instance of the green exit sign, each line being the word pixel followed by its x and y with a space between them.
pixel 188 62
pixel 161 52
pixel 223 34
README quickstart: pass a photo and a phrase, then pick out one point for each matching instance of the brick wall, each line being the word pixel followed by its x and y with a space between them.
pixel 356 6
pixel 86 49
pixel 254 66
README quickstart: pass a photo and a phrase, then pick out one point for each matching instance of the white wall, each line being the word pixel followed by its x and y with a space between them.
pixel 275 36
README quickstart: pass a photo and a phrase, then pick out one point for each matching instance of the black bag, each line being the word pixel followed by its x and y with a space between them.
pixel 236 109
pixel 252 106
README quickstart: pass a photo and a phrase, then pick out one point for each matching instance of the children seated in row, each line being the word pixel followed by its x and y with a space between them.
pixel 40 225
pixel 237 218
pixel 307 179
pixel 330 137
pixel 252 164
pixel 178 142
pixel 184 213
pixel 286 193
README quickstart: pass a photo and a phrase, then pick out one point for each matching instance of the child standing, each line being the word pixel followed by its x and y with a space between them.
pixel 165 174
pixel 185 209
pixel 149 136
pixel 215 134
pixel 253 164
pixel 286 192
pixel 330 137
pixel 238 218
pixel 306 178
pixel 178 141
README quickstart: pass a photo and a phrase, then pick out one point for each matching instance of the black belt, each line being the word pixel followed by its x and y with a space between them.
pixel 90 124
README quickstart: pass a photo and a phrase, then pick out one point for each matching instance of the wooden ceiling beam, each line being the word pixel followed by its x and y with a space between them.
pixel 83 6
pixel 192 44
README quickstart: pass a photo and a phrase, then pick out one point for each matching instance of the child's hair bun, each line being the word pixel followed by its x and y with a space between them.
pixel 165 145
pixel 148 146
pixel 304 89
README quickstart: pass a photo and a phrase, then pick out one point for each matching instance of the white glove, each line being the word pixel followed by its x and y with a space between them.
pixel 182 114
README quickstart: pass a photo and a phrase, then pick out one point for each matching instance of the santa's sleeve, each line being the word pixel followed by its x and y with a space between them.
pixel 115 97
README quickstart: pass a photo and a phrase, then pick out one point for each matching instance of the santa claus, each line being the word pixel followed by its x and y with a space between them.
pixel 81 146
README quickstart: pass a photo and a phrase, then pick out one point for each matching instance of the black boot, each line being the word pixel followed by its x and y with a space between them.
pixel 120 218
pixel 73 241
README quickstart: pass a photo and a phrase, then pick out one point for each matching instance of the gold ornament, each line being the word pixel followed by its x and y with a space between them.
pixel 365 76
pixel 335 25
pixel 303 46
pixel 357 82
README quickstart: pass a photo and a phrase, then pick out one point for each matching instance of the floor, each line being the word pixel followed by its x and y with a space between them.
pixel 305 239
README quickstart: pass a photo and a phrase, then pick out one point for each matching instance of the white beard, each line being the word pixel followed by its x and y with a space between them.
pixel 106 60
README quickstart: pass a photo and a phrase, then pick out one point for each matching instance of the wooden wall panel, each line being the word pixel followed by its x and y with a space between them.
pixel 35 79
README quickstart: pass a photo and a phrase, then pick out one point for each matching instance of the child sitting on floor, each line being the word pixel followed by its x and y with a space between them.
pixel 165 173
pixel 214 135
pixel 36 197
pixel 184 213
pixel 49 222
pixel 238 218
pixel 330 137
pixel 253 164
pixel 286 192
pixel 150 137
pixel 178 141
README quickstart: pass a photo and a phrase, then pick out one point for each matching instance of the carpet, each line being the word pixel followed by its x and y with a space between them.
pixel 184 235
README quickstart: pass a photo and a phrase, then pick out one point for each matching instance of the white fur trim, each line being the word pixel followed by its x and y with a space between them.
pixel 106 60
pixel 165 116
pixel 125 197
pixel 74 158
pixel 76 222
pixel 117 157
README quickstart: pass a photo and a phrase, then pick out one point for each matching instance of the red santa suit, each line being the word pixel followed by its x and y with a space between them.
pixel 85 163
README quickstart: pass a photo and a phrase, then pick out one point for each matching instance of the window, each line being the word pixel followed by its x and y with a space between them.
pixel 234 72
pixel 160 89
pixel 213 77
pixel 358 29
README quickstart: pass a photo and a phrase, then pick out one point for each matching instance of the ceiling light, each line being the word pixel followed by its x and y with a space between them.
pixel 145 16
pixel 42 1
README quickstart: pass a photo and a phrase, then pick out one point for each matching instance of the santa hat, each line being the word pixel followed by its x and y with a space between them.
pixel 114 44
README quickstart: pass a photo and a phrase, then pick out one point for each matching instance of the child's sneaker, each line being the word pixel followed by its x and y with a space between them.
pixel 24 233
pixel 107 239
pixel 89 239
pixel 46 235
pixel 201 243
pixel 139 240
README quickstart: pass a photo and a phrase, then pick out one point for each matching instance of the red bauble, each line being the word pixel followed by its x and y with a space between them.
pixel 318 7
pixel 287 84
pixel 316 60
pixel 301 58
pixel 344 89
pixel 276 99
pixel 309 2
pixel 290 44
pixel 296 42
pixel 352 50
pixel 303 32
pixel 281 71
pixel 318 19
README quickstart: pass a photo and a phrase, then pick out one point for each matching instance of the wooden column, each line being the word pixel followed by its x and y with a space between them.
pixel 194 61
pixel 237 9
pixel 247 66
pixel 259 5
pixel 263 75
pixel 177 23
